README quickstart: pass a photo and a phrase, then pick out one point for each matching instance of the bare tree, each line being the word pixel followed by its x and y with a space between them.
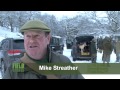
pixel 114 20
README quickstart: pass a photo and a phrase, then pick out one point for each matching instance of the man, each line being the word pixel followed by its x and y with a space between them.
pixel 117 50
pixel 36 41
pixel 107 49
pixel 93 50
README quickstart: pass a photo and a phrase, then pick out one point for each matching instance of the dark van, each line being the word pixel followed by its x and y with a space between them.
pixel 56 44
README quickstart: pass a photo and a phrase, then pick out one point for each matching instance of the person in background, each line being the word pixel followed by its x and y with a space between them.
pixel 117 50
pixel 93 51
pixel 107 49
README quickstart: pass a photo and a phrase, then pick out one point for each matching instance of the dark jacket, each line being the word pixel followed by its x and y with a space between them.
pixel 93 47
pixel 117 47
pixel 99 43
pixel 31 74
pixel 107 45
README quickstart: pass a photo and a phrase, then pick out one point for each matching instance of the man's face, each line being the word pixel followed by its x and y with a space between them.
pixel 35 43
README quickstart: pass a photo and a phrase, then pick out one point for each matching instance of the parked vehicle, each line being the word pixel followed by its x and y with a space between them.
pixel 11 50
pixel 69 43
pixel 84 48
pixel 56 44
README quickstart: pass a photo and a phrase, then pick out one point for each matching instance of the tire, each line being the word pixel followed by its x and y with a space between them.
pixel 61 52
pixel 68 46
pixel 74 59
pixel 93 60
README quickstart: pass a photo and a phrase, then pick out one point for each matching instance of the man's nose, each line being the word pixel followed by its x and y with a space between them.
pixel 32 40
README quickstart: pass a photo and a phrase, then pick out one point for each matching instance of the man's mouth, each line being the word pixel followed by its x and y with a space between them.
pixel 33 46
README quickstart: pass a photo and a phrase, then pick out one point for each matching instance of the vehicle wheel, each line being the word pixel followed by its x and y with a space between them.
pixel 93 60
pixel 2 68
pixel 61 52
pixel 67 46
pixel 74 59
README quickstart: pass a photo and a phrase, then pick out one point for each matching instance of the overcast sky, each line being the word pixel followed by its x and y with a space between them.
pixel 69 14
pixel 60 14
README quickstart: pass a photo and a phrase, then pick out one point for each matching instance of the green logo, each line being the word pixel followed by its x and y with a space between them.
pixel 18 67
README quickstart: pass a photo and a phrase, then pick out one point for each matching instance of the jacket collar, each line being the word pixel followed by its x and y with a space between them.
pixel 48 55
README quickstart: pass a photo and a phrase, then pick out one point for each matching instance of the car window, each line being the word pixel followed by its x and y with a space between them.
pixel 54 41
pixel 18 44
pixel 2 42
pixel 5 45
